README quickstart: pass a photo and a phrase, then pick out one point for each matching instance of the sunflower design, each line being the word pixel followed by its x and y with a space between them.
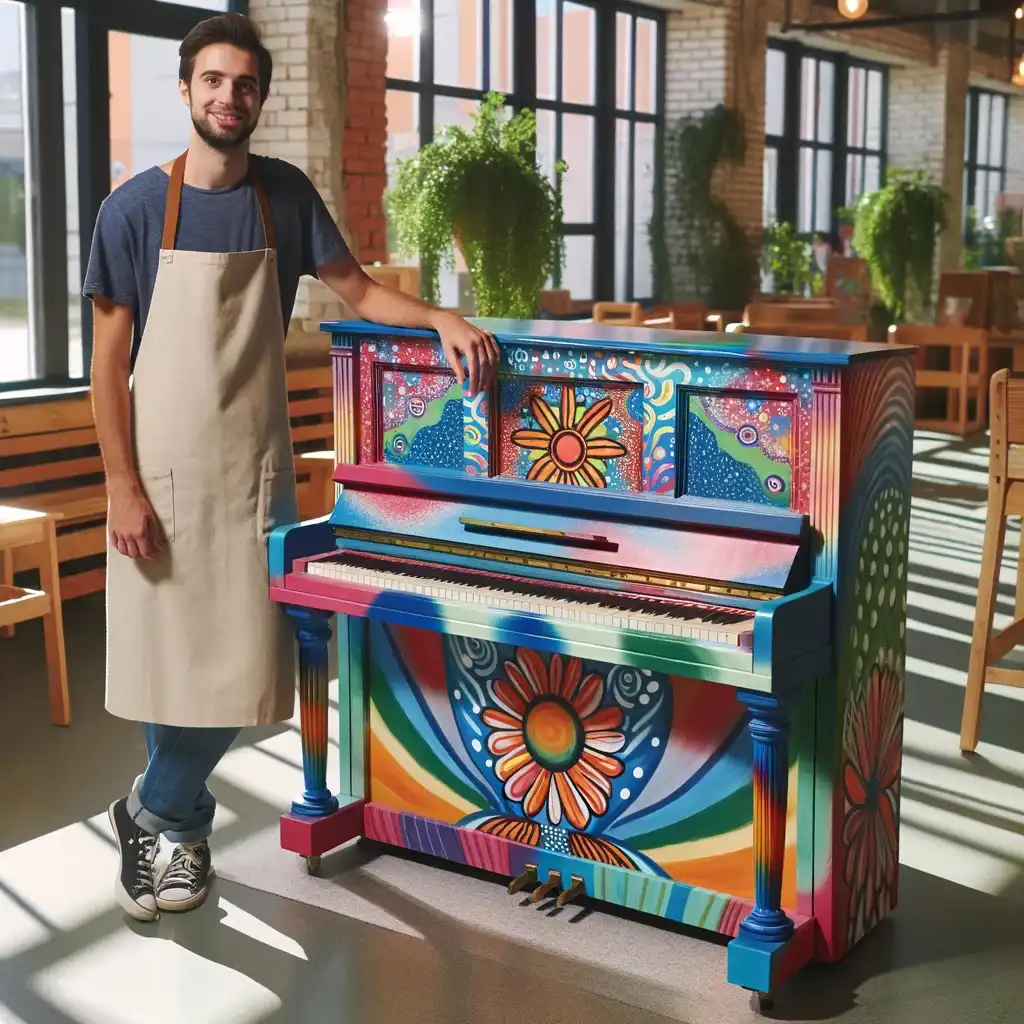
pixel 570 439
pixel 871 784
pixel 552 738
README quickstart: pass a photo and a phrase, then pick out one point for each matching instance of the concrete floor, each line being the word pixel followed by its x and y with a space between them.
pixel 954 950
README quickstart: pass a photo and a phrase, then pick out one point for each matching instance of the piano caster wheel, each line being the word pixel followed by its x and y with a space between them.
pixel 528 877
pixel 553 882
pixel 578 887
pixel 313 865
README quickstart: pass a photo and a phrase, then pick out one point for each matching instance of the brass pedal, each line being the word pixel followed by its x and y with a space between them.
pixel 553 882
pixel 577 888
pixel 526 878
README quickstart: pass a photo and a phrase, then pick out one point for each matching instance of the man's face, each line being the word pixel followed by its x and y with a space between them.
pixel 224 95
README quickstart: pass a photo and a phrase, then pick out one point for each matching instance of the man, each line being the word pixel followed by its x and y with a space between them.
pixel 193 275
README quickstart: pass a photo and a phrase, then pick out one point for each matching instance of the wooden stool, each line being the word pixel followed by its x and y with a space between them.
pixel 21 527
pixel 1005 498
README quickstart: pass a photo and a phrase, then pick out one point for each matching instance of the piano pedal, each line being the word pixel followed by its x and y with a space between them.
pixel 577 888
pixel 553 882
pixel 528 877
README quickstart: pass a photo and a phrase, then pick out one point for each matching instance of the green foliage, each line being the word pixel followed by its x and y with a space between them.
pixel 791 260
pixel 483 192
pixel 717 251
pixel 986 245
pixel 12 211
pixel 896 232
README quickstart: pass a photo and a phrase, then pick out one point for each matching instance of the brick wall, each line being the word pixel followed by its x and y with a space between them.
pixel 1015 146
pixel 365 136
pixel 326 115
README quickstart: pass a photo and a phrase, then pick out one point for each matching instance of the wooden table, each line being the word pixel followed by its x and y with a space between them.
pixel 21 527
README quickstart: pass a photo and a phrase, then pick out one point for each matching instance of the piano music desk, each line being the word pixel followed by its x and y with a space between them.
pixel 629 626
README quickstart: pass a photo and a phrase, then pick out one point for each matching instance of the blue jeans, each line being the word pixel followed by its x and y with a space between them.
pixel 171 797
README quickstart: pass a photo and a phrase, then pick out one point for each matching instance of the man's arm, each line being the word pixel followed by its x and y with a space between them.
pixel 134 529
pixel 379 304
pixel 111 360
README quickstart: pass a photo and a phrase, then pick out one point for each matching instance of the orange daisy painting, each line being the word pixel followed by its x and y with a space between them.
pixel 570 442
pixel 553 740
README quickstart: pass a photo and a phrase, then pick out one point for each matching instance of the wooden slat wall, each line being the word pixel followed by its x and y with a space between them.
pixel 50 458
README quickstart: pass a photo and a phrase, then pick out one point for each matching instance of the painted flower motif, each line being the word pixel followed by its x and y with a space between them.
pixel 553 739
pixel 871 782
pixel 569 448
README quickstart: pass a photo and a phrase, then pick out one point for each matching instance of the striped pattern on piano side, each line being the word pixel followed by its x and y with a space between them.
pixel 634 890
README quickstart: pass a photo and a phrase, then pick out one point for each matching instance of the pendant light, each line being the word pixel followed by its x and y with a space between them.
pixel 852 9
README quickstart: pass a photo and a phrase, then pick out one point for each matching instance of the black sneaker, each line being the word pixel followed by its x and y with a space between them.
pixel 186 882
pixel 137 850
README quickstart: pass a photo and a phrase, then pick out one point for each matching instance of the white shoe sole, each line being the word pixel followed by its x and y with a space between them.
pixel 177 906
pixel 121 894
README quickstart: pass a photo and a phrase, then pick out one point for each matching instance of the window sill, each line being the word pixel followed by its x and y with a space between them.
pixel 41 391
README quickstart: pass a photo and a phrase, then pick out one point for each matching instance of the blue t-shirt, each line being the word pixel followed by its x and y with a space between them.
pixel 129 229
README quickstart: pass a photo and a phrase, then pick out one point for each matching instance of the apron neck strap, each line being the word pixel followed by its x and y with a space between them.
pixel 174 204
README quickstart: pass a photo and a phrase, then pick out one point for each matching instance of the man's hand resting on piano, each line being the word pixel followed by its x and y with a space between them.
pixel 461 339
pixel 383 305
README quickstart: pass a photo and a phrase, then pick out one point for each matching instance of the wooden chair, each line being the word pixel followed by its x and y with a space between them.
pixel 1005 498
pixel 965 378
pixel 797 311
pixel 678 316
pixel 826 332
pixel 22 528
pixel 619 314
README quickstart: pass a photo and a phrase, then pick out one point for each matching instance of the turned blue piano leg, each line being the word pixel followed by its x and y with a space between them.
pixel 313 632
pixel 316 823
pixel 760 954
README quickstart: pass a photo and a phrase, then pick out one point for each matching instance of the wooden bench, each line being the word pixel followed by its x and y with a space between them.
pixel 50 461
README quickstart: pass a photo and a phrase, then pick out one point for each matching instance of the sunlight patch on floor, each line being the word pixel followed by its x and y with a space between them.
pixel 252 927
pixel 134 979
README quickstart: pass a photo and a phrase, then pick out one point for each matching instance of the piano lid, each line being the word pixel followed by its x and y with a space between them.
pixel 579 334
pixel 689 552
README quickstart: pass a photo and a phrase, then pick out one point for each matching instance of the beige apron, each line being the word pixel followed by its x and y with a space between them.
pixel 193 639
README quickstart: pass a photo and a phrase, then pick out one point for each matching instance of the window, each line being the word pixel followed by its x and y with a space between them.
pixel 591 71
pixel 106 71
pixel 17 354
pixel 636 109
pixel 824 135
pixel 985 154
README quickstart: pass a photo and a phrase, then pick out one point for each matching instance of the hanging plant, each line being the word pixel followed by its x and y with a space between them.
pixel 482 192
pixel 897 229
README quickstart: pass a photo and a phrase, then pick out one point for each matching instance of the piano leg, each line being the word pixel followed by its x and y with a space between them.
pixel 768 947
pixel 316 823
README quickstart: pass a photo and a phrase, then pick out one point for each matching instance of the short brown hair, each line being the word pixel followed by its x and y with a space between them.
pixel 234 29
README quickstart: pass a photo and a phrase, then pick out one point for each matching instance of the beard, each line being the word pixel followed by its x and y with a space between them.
pixel 219 137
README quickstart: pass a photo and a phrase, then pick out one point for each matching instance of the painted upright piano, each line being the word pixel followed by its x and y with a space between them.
pixel 628 625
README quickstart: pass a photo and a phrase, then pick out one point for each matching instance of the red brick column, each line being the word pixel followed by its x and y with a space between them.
pixel 364 143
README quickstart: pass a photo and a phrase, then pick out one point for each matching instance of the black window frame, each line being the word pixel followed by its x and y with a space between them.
pixel 524 95
pixel 49 289
pixel 789 143
pixel 972 167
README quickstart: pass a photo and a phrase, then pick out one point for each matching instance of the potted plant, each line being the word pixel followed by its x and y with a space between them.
pixel 482 192
pixel 791 261
pixel 897 228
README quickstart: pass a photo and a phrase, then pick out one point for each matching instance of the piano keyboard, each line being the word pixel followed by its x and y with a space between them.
pixel 590 606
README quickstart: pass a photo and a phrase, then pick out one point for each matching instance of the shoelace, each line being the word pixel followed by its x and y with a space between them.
pixel 148 846
pixel 186 863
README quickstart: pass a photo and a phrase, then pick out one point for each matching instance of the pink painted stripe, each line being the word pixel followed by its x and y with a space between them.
pixel 488 853
pixel 382 825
